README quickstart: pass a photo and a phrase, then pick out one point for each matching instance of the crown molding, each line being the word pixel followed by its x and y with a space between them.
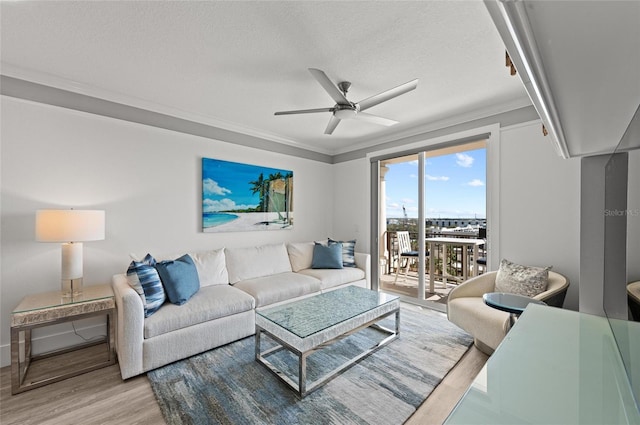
pixel 92 91
pixel 476 114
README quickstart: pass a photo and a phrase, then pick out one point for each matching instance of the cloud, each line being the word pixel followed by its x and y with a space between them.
pixel 464 160
pixel 476 183
pixel 211 187
pixel 437 178
pixel 393 205
pixel 226 204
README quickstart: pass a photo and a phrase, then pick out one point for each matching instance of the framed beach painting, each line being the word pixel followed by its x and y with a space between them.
pixel 239 197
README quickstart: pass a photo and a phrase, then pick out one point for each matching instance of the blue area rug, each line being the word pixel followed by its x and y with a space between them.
pixel 227 386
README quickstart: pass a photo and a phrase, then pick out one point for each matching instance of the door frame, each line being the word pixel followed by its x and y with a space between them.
pixel 491 134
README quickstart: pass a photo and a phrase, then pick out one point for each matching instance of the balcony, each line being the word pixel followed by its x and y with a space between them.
pixel 458 261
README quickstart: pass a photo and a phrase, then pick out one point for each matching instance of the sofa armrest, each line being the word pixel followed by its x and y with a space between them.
pixel 363 262
pixel 130 327
pixel 475 287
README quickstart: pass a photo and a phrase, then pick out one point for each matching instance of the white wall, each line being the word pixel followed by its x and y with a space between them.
pixel 147 179
pixel 539 205
pixel 352 199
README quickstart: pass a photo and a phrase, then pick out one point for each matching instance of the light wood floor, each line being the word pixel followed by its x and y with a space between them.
pixel 102 397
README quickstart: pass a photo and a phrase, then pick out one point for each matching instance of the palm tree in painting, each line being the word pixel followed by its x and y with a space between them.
pixel 259 187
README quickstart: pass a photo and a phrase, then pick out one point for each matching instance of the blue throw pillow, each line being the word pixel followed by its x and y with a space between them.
pixel 348 252
pixel 143 277
pixel 179 278
pixel 327 257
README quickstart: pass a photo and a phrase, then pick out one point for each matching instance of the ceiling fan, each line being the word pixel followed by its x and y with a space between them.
pixel 345 109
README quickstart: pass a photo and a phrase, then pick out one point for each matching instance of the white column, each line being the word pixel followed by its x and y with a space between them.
pixel 421 226
pixel 382 214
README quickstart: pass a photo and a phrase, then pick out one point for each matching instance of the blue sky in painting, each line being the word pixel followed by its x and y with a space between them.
pixel 455 186
pixel 225 185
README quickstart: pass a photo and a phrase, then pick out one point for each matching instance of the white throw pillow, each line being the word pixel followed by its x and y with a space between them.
pixel 211 266
pixel 249 263
pixel 300 255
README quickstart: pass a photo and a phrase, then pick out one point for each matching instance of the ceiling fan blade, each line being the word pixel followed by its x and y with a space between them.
pixel 387 95
pixel 304 111
pixel 363 116
pixel 333 123
pixel 329 87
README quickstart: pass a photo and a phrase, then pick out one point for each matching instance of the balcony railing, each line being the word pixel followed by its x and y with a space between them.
pixel 451 260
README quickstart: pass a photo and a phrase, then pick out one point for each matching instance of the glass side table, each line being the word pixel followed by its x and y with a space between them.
pixel 51 308
pixel 511 303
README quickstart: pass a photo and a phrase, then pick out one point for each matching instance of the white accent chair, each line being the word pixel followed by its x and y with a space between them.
pixel 487 325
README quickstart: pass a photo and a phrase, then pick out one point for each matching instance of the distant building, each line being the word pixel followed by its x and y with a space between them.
pixel 456 222
pixel 444 222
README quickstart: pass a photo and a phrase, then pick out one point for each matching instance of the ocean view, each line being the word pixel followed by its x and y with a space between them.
pixel 216 219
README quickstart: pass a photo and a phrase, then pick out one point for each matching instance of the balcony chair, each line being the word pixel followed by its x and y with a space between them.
pixel 487 325
pixel 481 263
pixel 633 297
pixel 405 254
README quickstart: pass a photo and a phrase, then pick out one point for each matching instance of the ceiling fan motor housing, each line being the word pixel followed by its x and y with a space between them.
pixel 346 111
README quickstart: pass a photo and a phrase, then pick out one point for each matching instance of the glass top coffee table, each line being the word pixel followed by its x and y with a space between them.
pixel 313 323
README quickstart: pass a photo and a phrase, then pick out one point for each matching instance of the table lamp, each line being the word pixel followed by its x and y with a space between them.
pixel 71 228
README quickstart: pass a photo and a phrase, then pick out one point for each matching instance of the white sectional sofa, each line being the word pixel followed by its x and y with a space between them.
pixel 233 283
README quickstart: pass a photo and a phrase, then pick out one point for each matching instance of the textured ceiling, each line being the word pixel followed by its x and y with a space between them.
pixel 234 63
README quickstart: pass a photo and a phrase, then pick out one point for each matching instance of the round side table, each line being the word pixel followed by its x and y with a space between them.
pixel 511 303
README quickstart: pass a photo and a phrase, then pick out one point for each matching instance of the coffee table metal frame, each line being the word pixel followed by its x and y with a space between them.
pixel 302 387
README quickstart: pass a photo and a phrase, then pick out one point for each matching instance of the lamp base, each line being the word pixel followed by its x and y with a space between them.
pixel 71 287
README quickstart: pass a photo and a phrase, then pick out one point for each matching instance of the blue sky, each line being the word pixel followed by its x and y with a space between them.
pixel 455 186
pixel 225 185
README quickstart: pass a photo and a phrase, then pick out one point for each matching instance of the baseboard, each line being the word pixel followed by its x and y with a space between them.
pixel 57 340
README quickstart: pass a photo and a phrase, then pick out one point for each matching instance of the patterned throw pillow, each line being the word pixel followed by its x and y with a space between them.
pixel 143 277
pixel 522 280
pixel 348 252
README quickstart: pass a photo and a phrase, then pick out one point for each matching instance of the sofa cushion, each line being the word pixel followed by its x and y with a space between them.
pixel 522 280
pixel 300 255
pixel 331 278
pixel 327 257
pixel 348 252
pixel 258 261
pixel 211 302
pixel 280 287
pixel 143 277
pixel 211 266
pixel 179 278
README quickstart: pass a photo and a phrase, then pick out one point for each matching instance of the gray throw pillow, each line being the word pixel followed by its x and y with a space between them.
pixel 327 257
pixel 522 280
pixel 179 279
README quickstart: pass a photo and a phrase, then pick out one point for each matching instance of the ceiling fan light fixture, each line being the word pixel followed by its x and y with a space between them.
pixel 345 112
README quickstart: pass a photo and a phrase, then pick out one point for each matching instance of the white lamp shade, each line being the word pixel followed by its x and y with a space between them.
pixel 69 225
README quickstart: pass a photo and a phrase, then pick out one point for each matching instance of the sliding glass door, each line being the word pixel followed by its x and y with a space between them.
pixel 421 195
